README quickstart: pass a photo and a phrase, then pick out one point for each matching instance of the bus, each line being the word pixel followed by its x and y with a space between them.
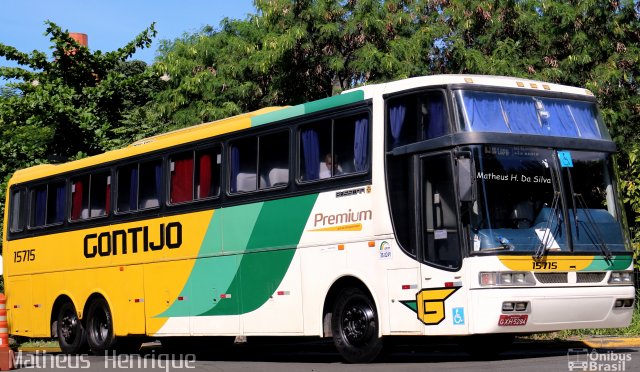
pixel 474 207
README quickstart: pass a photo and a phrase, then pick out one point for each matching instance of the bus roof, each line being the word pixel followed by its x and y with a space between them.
pixel 471 80
pixel 158 142
pixel 272 114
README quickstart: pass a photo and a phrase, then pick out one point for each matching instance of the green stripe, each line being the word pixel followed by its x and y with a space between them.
pixel 307 108
pixel 618 263
pixel 249 277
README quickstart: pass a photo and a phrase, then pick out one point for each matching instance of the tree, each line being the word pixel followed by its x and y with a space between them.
pixel 69 106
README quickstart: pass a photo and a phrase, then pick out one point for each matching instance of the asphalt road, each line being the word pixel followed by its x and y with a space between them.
pixel 319 357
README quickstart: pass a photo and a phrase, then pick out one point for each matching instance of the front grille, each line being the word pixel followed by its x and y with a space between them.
pixel 592 277
pixel 551 278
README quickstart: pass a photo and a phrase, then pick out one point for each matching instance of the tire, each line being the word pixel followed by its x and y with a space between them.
pixel 71 333
pixel 99 326
pixel 355 326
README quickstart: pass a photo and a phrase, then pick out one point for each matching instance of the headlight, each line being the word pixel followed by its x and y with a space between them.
pixel 506 278
pixel 620 277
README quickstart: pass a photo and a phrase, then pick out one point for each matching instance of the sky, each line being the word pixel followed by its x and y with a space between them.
pixel 110 24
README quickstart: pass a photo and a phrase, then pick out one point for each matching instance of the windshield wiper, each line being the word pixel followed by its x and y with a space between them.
pixel 594 235
pixel 547 237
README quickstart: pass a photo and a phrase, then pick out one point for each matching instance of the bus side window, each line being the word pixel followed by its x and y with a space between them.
pixel 181 176
pixel 433 115
pixel 207 177
pixel 127 188
pixel 244 165
pixel 351 145
pixel 150 182
pixel 48 204
pixel 100 194
pixel 274 160
pixel 416 117
pixel 333 149
pixel 17 215
pixel 80 198
pixel 315 143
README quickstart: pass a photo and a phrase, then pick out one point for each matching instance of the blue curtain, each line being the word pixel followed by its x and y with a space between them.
pixel 560 122
pixel 311 151
pixel 60 203
pixel 396 119
pixel 586 120
pixel 437 125
pixel 361 145
pixel 522 114
pixel 484 112
pixel 235 167
pixel 40 209
pixel 133 191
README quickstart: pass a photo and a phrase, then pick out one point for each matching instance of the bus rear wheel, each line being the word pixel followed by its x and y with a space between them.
pixel 71 334
pixel 355 326
pixel 99 326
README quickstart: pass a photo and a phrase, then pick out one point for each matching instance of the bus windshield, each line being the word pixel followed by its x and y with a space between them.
pixel 524 196
pixel 511 113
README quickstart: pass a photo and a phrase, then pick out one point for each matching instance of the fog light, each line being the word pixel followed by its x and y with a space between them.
pixel 521 306
pixel 618 303
pixel 627 302
pixel 508 306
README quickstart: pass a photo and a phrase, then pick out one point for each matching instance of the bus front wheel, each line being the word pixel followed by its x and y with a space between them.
pixel 71 334
pixel 355 326
pixel 99 326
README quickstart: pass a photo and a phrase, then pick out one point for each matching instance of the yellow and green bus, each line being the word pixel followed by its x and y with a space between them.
pixel 452 205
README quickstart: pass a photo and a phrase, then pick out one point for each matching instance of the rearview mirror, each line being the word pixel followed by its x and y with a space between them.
pixel 466 180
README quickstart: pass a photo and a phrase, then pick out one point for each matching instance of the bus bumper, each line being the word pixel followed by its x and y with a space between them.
pixel 549 309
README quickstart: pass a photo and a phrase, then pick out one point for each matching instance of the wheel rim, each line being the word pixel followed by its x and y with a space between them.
pixel 99 326
pixel 68 327
pixel 358 323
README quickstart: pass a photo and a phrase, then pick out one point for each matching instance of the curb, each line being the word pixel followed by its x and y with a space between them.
pixel 611 342
pixel 42 349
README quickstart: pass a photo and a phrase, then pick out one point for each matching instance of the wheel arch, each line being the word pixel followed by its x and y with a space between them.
pixel 55 310
pixel 347 281
pixel 90 299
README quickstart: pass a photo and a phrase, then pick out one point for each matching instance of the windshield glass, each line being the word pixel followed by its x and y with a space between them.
pixel 520 196
pixel 511 113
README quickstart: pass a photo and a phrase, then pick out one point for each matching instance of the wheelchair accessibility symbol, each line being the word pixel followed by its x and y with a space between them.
pixel 458 315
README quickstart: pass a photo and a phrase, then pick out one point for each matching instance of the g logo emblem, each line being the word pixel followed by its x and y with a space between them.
pixel 429 304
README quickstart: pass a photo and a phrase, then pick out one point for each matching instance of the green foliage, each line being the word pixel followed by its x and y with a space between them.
pixel 70 106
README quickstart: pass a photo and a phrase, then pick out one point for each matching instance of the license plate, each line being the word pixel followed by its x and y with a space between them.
pixel 513 320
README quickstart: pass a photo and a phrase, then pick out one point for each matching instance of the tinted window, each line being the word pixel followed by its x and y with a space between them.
pixel 17 216
pixel 47 204
pixel 139 186
pixel 260 162
pixel 334 148
pixel 192 180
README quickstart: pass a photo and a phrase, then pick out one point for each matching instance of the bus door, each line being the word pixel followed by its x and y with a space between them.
pixel 441 302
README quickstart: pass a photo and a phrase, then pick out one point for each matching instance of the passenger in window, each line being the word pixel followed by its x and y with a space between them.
pixel 327 165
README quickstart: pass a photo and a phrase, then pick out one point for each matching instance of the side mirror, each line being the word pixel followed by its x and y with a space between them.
pixel 466 181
